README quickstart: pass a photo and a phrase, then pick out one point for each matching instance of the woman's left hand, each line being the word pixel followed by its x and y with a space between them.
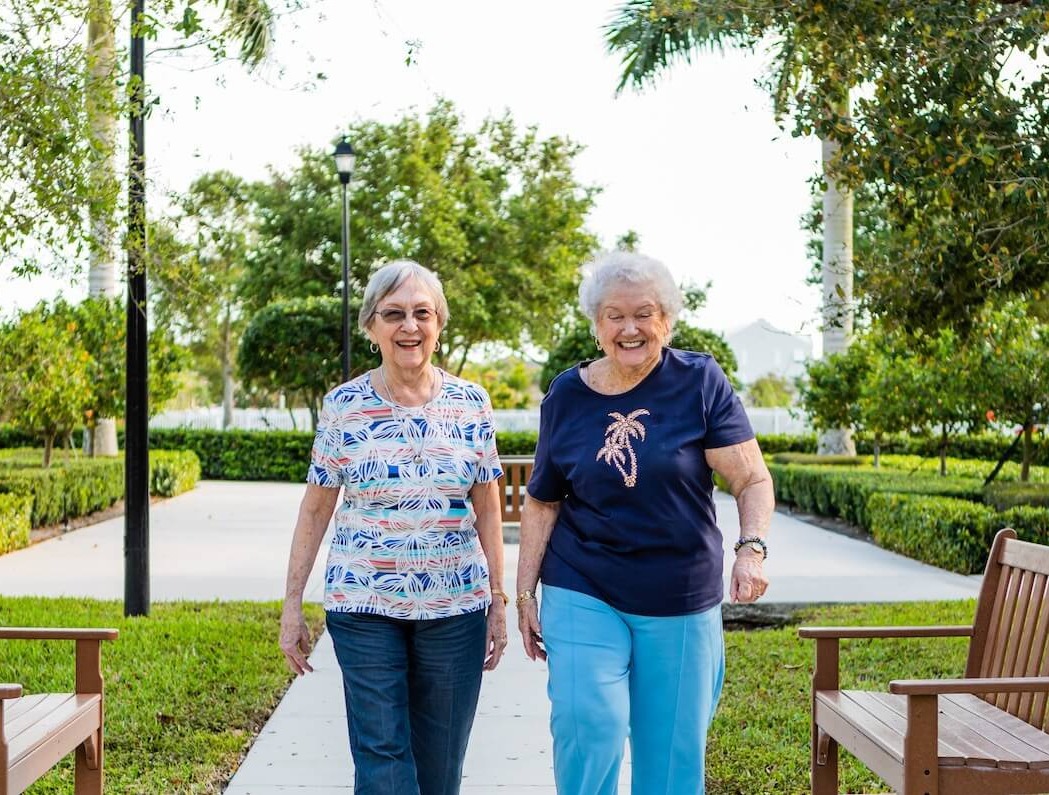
pixel 748 578
pixel 495 639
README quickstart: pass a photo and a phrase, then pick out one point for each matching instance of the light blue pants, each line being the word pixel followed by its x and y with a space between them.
pixel 613 674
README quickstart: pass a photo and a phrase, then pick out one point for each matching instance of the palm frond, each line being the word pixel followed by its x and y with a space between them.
pixel 250 22
pixel 651 35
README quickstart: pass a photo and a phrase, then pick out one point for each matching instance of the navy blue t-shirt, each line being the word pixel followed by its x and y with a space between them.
pixel 636 527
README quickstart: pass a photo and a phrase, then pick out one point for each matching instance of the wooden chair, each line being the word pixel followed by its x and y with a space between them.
pixel 983 734
pixel 39 730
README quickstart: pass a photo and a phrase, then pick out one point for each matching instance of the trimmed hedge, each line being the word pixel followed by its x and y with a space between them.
pixel 844 491
pixel 1007 495
pixel 964 467
pixel 67 489
pixel 172 472
pixel 14 521
pixel 75 487
pixel 242 455
pixel 820 460
pixel 1030 523
pixel 950 533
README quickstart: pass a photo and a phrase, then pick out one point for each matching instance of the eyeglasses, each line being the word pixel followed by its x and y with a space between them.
pixel 397 316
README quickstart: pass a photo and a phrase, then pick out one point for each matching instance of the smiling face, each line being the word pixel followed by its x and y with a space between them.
pixel 631 327
pixel 405 327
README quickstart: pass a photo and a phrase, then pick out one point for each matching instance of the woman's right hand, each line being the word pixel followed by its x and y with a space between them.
pixel 531 631
pixel 295 638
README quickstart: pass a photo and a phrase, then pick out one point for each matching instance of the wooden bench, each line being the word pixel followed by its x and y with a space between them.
pixel 517 469
pixel 39 730
pixel 983 734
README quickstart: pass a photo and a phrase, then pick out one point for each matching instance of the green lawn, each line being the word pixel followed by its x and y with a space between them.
pixel 188 687
pixel 760 740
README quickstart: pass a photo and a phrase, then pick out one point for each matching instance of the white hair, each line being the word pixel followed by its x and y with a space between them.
pixel 612 269
pixel 391 276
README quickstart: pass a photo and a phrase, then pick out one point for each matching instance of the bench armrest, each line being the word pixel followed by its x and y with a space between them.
pixel 933 687
pixel 55 633
pixel 886 632
pixel 10 691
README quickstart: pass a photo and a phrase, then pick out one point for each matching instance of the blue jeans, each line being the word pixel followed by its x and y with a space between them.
pixel 411 691
pixel 615 674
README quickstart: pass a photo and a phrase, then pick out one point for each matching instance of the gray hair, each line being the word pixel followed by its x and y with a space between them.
pixel 616 268
pixel 391 276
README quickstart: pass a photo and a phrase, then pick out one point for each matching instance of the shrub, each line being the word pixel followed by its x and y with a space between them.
pixel 516 442
pixel 242 455
pixel 1031 523
pixel 821 460
pixel 1007 495
pixel 66 490
pixel 79 486
pixel 14 521
pixel 844 491
pixel 172 472
pixel 950 533
pixel 787 443
pixel 963 467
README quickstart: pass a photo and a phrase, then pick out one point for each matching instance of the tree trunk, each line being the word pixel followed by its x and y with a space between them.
pixel 49 446
pixel 837 307
pixel 227 372
pixel 943 452
pixel 877 453
pixel 101 108
pixel 1025 467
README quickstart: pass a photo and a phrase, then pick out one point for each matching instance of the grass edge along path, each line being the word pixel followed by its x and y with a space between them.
pixel 188 688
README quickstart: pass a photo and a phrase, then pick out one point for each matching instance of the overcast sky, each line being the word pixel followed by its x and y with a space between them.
pixel 696 164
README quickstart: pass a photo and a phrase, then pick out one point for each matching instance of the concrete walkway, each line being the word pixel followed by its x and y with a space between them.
pixel 230 541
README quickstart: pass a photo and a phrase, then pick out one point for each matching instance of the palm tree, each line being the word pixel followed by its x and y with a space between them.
pixel 652 34
pixel 247 22
pixel 617 449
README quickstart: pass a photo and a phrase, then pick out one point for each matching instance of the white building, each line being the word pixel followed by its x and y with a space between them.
pixel 761 348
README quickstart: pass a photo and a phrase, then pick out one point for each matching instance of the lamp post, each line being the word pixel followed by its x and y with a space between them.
pixel 136 442
pixel 344 160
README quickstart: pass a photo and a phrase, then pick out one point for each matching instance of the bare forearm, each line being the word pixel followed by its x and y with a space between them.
pixel 537 523
pixel 489 524
pixel 756 501
pixel 314 514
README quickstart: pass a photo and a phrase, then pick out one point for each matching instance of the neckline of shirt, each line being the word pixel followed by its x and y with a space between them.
pixel 410 409
pixel 579 376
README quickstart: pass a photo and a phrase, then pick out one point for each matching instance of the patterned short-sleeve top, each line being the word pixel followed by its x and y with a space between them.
pixel 405 545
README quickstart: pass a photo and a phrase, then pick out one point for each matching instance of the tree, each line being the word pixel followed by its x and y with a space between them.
pixel 1014 359
pixel 508 381
pixel 197 265
pixel 813 59
pixel 296 346
pixel 497 213
pixel 98 327
pixel 770 391
pixel 44 380
pixel 247 21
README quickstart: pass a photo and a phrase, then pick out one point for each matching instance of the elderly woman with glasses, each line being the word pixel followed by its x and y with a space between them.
pixel 619 525
pixel 416 557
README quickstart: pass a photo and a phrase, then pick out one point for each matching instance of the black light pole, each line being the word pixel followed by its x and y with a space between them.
pixel 136 429
pixel 344 160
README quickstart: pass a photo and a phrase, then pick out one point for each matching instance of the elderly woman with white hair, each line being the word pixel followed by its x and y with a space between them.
pixel 619 525
pixel 417 555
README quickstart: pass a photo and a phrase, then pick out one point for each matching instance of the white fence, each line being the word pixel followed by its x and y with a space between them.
pixel 763 420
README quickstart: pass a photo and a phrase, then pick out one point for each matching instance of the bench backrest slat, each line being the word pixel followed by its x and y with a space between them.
pixel 1011 627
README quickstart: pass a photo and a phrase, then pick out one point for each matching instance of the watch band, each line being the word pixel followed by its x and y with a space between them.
pixel 754 542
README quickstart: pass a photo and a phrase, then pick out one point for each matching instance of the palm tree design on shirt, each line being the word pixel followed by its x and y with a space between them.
pixel 617 449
